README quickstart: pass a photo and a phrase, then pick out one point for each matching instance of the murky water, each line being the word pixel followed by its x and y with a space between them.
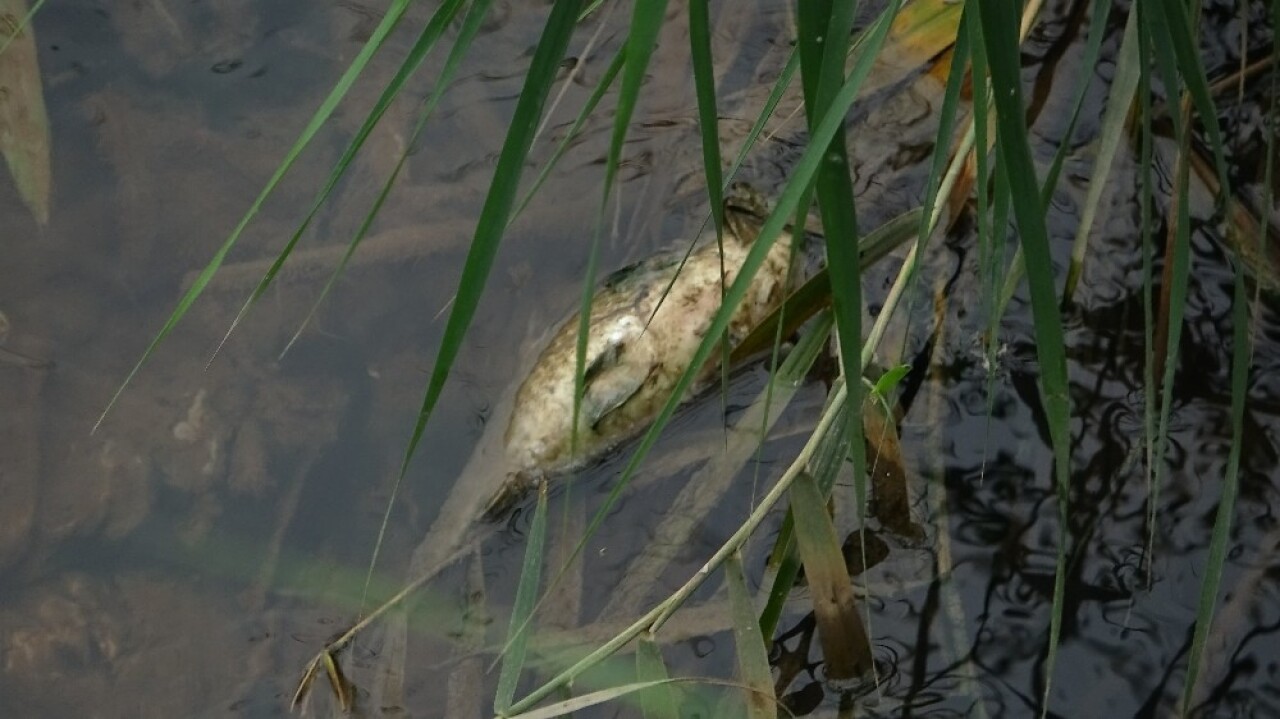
pixel 190 556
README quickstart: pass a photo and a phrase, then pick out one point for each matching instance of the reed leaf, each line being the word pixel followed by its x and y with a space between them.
pixel 1241 356
pixel 1119 100
pixel 591 699
pixel 946 128
pixel 1001 42
pixel 658 701
pixel 426 41
pixel 751 650
pixel 388 23
pixel 497 206
pixel 602 86
pixel 522 609
pixel 1171 309
pixel 646 21
pixel 846 648
pixel 476 14
pixel 824 32
pixel 704 83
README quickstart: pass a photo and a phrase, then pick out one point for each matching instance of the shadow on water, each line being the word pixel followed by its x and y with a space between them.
pixel 191 556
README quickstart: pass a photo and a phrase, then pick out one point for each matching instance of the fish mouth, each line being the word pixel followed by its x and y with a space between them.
pixel 517 486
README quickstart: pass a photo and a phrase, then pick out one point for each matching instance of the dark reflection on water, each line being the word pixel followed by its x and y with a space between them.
pixel 189 557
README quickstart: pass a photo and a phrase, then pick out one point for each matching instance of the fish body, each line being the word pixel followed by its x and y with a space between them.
pixel 646 324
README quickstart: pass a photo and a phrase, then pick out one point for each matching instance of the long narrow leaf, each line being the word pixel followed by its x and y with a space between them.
pixel 1146 192
pixel 1000 38
pixel 1119 100
pixel 846 648
pixel 1241 353
pixel 946 125
pixel 646 21
pixel 496 210
pixel 606 82
pixel 1187 52
pixel 1242 350
pixel 1177 261
pixel 659 701
pixel 753 656
pixel 704 82
pixel 1098 16
pixel 825 28
pixel 340 88
pixel 476 15
pixel 522 609
pixel 434 28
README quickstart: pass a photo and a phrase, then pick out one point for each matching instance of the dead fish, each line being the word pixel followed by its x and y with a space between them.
pixel 646 323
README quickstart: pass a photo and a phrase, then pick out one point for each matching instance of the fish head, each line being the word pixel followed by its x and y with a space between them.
pixel 745 210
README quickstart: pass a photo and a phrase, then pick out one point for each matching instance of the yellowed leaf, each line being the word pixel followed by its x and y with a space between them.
pixel 845 644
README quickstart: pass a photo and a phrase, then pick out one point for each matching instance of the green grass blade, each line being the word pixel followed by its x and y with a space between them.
pixel 1098 16
pixel 1146 191
pixel 829 458
pixel 495 213
pixel 770 105
pixel 340 88
pixel 982 164
pixel 659 701
pixel 495 216
pixel 1177 260
pixel 470 27
pixel 1119 99
pixel 996 266
pixel 753 655
pixel 1183 44
pixel 784 579
pixel 1241 356
pixel 606 81
pixel 1001 41
pixel 946 126
pixel 522 609
pixel 646 21
pixel 1154 26
pixel 704 83
pixel 825 29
